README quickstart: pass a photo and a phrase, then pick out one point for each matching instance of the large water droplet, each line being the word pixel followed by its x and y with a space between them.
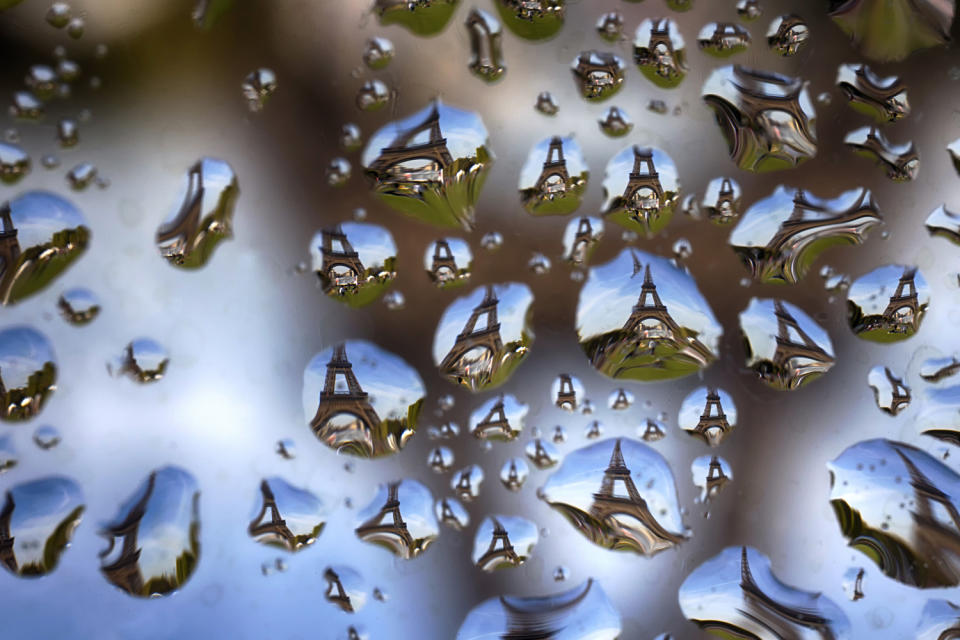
pixel 767 118
pixel 486 48
pixel 422 18
pixel 37 521
pixel 868 23
pixel 503 541
pixel 723 39
pixel 28 373
pixel 286 516
pixel 346 588
pixel 620 494
pixel 554 177
pixel 883 99
pixel 639 317
pixel 708 413
pixel 483 336
pixel 514 473
pixel 888 304
pixel 659 52
pixel 710 474
pixel 448 262
pixel 532 19
pixel 499 418
pixel 191 232
pixel 599 74
pixel 400 518
pixel 901 162
pixel 431 165
pixel 154 540
pixel 257 88
pixel 361 399
pixel 735 593
pixel 641 189
pixel 891 394
pixel 784 346
pixel 356 262
pixel 780 236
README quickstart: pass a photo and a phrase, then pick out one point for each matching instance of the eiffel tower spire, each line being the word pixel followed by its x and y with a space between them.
pixel 495 423
pixel 444 265
pixel 713 423
pixel 566 395
pixel 500 550
pixel 471 337
pixel 388 527
pixel 275 530
pixel 353 401
pixel 341 264
pixel 905 297
pixel 644 190
pixel 553 176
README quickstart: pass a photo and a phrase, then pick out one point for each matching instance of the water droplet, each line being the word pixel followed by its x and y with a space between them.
pixel 514 473
pixel 68 70
pixel 350 137
pixel 421 18
pixel 944 223
pixel 921 26
pixel 492 240
pixel 824 99
pixel 939 619
pixel 940 368
pixel 38 520
pixel 378 52
pixel 285 516
pixel 28 373
pixel 503 541
pixel 723 39
pixel 736 591
pixel 722 201
pixel 787 34
pixel 158 528
pixel 26 106
pixel 767 118
pixel 541 453
pixel 784 346
pixel 346 588
pixel 901 162
pixel 710 474
pixel 853 583
pixel 362 400
pixel 780 236
pixel 708 413
pixel 394 301
pixel 657 106
pixel 81 175
pixel 682 249
pixel 532 19
pixel 620 399
pixel 485 45
pixel 466 482
pixel 68 135
pixel 888 304
pixel 894 501
pixel 615 122
pixel 46 437
pixel 749 10
pixel 584 611
pixel 8 454
pixel 882 98
pixel 599 74
pixel 75 27
pixel 559 434
pixel 483 336
pixel 448 262
pixel 14 164
pixel 431 165
pixel 286 449
pixel 257 87
pixel 639 317
pixel 400 518
pixel 42 81
pixel 372 96
pixel 445 403
pixel 440 459
pixel 500 418
pixel 652 430
pixel 338 172
pixel 680 5
pixel 554 177
pixel 620 494
pixel 538 264
pixel 379 595
pixel 58 15
pixel 610 26
pixel 450 512
pixel 100 51
pixel 891 394
pixel 641 189
pixel 355 262
pixel 143 360
pixel 594 430
pixel 546 104
pixel 566 392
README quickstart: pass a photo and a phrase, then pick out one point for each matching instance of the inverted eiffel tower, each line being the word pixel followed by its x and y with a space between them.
pixel 401 150
pixel 566 395
pixel 787 348
pixel 274 530
pixel 388 525
pixel 713 421
pixel 338 252
pixel 444 265
pixel 125 572
pixel 905 297
pixel 500 550
pixel 643 176
pixel 495 423
pixel 471 336
pixel 354 401
pixel 555 166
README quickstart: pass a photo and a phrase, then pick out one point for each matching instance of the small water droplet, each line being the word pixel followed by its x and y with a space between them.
pixel 657 106
pixel 75 27
pixel 450 512
pixel 594 430
pixel 28 372
pixel 722 201
pixel 659 52
pixel 708 413
pixel 610 26
pixel 372 96
pixel 599 74
pixel 26 106
pixel 492 240
pixel 68 70
pixel 787 34
pixel 554 177
pixel 39 520
pixel 257 87
pixel 378 52
pixel 499 418
pixel 14 165
pixel 682 249
pixel 448 262
pixel 58 15
pixel 440 459
pixel 286 449
pixel 338 172
pixel 538 264
pixel 42 81
pixel 900 162
pixel 46 437
pixel 853 583
pixel 541 453
pixel 346 588
pixel 143 360
pixel 68 133
pixel 642 189
pixel 400 518
pixel 286 516
pixel 615 122
pixel 81 175
pixel 514 473
pixel 749 10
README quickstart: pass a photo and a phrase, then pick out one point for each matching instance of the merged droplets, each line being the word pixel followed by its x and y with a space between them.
pixel 154 540
pixel 640 317
pixel 767 118
pixel 641 188
pixel 361 399
pixel 898 505
pixel 503 541
pixel 567 392
pixel 78 306
pixel 787 34
pixel 868 22
pixel 286 516
pixel 620 494
pixel 346 588
pixel 584 611
pixel 888 304
pixel 722 201
pixel 378 52
pixel 499 418
pixel 191 232
pixel 615 122
pixel 431 165
pixel 257 88
pixel 780 236
pixel 143 360
pixel 883 99
pixel 554 177
pixel 784 346
pixel 710 474
pixel 486 48
pixel 14 163
pixel 889 391
pixel 514 473
pixel 944 223
pixel 709 414
pixel 37 521
pixel 355 262
pixel 28 373
pixel 41 235
pixel 598 74
pixel 483 336
pixel 400 518
pixel 723 39
pixel 580 238
pixel 901 162
pixel 421 18
pixel 736 594
pixel 532 19
pixel 659 52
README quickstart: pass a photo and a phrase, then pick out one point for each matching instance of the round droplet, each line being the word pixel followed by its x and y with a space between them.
pixel 787 34
pixel 361 399
pixel 46 437
pixel 355 262
pixel 38 520
pixel 286 516
pixel 580 237
pixel 641 189
pixel 546 104
pixel 559 435
pixel 286 449
pixel 81 176
pixel 709 414
pixel 723 39
pixel 503 541
pixel 554 177
pixel 615 123
pixel 652 430
pixel 421 18
pixel 400 518
pixel 378 52
pixel 722 201
pixel 58 15
pixel 659 52
pixel 594 430
pixel 50 161
pixel 143 360
pixel 42 81
pixel 560 574
pixel 14 165
pixel 448 262
pixel 710 474
pixel 350 137
pixel 567 392
pixel 541 453
pixel 532 19
pixel 888 304
pixel 28 373
pixel 26 106
pixel 639 317
pixel 68 135
pixel 483 336
pixel 154 540
pixel 394 301
pixel 682 249
pixel 599 74
pixel 610 26
pixel 440 459
pixel 749 10
pixel 499 418
pixel 257 87
pixel 514 473
pixel 466 482
pixel 75 27
pixel 538 264
pixel 620 399
pixel 68 70
pixel 372 96
pixel 338 172
pixel 492 240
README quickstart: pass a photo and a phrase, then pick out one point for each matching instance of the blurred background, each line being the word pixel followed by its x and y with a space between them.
pixel 241 330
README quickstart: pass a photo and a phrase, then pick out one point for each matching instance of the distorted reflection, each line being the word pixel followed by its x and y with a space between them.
pixel 37 521
pixel 28 373
pixel 503 541
pixel 286 516
pixel 888 304
pixel 554 177
pixel 709 414
pixel 400 518
pixel 355 262
pixel 641 189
